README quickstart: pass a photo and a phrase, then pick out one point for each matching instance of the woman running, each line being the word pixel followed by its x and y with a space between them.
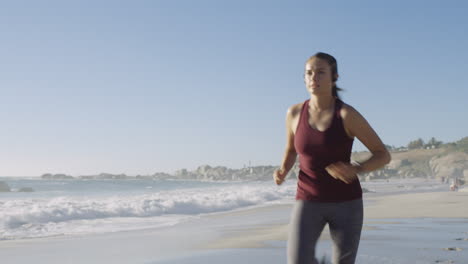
pixel 321 131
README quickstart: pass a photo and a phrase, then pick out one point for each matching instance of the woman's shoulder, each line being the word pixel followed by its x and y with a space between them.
pixel 295 109
pixel 347 111
pixel 351 117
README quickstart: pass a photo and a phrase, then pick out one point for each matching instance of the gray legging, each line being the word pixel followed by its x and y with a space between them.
pixel 308 220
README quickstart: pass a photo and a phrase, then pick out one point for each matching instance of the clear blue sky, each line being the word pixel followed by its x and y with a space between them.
pixel 139 87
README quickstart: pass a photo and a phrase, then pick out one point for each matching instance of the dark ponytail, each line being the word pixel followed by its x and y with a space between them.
pixel 335 90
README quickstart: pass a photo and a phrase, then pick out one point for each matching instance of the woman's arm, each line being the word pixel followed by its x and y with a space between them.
pixel 357 126
pixel 289 157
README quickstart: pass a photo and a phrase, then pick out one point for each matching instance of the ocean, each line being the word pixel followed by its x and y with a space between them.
pixel 82 208
pixel 79 206
pixel 89 206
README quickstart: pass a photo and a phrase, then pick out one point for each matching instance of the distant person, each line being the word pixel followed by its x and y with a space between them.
pixel 321 130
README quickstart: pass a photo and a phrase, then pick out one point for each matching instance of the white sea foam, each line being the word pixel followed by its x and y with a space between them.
pixel 26 215
pixel 24 218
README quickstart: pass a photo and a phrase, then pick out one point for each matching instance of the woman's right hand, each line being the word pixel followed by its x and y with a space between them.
pixel 279 175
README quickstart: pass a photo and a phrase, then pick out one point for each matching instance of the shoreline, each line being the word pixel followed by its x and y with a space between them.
pixel 380 208
pixel 248 229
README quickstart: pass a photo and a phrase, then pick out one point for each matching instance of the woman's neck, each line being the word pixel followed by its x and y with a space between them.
pixel 320 103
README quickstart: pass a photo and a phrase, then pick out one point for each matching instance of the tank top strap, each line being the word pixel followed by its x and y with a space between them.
pixel 304 114
pixel 338 106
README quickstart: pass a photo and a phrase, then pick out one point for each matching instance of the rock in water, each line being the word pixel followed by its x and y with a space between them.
pixel 26 189
pixel 453 249
pixel 4 187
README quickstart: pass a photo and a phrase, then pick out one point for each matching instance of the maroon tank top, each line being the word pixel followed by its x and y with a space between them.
pixel 316 151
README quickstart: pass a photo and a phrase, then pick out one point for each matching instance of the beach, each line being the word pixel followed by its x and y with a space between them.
pixel 422 226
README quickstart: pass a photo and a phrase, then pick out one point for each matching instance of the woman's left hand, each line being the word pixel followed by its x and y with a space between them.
pixel 343 171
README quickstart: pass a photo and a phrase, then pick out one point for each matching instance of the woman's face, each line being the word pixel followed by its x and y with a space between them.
pixel 318 77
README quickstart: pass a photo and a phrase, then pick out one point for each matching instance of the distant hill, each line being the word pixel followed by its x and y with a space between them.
pixel 447 161
pixel 434 160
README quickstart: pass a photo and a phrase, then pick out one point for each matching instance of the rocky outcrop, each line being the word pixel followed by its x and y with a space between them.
pixel 49 176
pixel 452 165
pixel 26 189
pixel 102 176
pixel 202 173
pixel 221 173
pixel 431 163
pixel 158 175
pixel 109 176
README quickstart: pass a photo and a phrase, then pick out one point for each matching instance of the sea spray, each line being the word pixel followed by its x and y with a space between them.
pixel 38 217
